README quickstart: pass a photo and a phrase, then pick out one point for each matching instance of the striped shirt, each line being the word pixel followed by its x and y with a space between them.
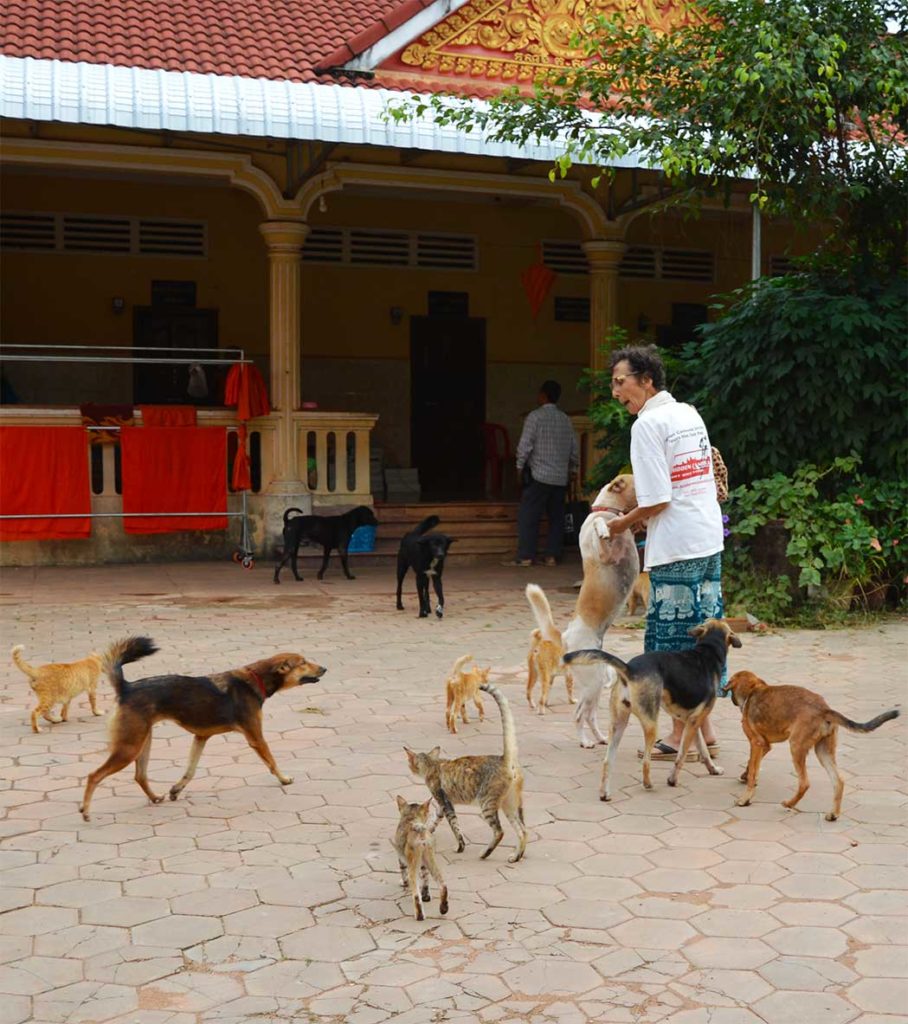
pixel 548 445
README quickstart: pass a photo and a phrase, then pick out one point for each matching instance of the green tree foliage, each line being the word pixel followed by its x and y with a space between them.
pixel 807 98
pixel 806 368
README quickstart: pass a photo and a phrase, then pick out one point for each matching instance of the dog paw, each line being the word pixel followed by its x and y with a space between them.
pixel 743 801
pixel 156 799
pixel 832 817
pixel 461 846
pixel 716 770
pixel 605 798
pixel 443 909
pixel 285 780
pixel 419 914
pixel 742 777
pixel 423 615
pixel 426 898
pixel 440 612
pixel 672 781
pixel 174 793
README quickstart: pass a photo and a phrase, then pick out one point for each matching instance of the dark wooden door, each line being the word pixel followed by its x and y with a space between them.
pixel 448 402
pixel 184 331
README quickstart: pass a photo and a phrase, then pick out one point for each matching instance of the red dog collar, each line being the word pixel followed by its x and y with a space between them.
pixel 606 508
pixel 258 682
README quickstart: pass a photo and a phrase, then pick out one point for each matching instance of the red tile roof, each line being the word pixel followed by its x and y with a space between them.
pixel 277 39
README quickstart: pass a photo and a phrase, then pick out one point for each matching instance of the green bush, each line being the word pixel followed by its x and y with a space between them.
pixel 806 367
pixel 847 532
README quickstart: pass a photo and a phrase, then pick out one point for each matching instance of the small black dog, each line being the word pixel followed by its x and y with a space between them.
pixel 329 531
pixel 424 553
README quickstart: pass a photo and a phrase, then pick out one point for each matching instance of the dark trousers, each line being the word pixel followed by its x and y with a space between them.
pixel 538 498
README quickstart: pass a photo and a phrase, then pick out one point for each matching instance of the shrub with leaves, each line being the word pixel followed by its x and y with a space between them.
pixel 805 368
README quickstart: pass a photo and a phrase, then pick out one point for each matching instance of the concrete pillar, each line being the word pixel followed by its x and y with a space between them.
pixel 286 485
pixel 284 240
pixel 604 257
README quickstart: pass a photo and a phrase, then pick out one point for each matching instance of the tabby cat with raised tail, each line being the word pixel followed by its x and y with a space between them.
pixel 494 781
pixel 414 842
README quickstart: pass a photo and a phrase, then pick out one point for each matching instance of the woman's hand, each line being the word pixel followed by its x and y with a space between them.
pixel 618 525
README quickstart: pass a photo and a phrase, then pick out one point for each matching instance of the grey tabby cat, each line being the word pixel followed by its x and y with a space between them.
pixel 494 781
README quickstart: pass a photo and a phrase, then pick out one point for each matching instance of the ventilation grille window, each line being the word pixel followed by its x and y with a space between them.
pixel 779 266
pixel 564 257
pixel 31 232
pixel 647 263
pixel 639 262
pixel 84 233
pixel 378 248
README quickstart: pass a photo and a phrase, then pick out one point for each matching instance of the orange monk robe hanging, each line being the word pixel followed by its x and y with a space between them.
pixel 246 390
pixel 537 281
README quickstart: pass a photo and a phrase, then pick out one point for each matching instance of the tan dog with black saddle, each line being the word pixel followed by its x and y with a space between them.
pixel 771 714
pixel 682 682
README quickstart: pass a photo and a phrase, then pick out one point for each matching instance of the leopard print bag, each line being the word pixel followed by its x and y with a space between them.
pixel 720 471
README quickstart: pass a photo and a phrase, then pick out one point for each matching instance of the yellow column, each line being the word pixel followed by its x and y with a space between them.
pixel 284 240
pixel 604 257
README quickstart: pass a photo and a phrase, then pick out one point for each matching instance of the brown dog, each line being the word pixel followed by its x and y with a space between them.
pixel 460 687
pixel 639 596
pixel 771 714
pixel 203 705
pixel 60 683
pixel 546 651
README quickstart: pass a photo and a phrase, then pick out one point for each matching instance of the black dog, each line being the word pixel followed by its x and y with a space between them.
pixel 424 553
pixel 329 531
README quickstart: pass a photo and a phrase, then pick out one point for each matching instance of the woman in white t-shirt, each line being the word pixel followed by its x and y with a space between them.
pixel 676 496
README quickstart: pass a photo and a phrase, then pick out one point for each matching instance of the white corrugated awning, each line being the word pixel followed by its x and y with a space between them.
pixel 103 94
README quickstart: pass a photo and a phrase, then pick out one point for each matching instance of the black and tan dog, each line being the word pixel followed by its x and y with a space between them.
pixel 424 552
pixel 203 705
pixel 771 714
pixel 682 682
pixel 329 531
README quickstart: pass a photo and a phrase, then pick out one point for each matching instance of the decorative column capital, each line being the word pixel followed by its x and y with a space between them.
pixel 284 236
pixel 604 255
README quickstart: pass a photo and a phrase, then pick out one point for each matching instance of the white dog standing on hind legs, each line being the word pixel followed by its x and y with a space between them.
pixel 610 567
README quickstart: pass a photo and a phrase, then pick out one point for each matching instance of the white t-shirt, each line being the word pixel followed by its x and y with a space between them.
pixel 672 461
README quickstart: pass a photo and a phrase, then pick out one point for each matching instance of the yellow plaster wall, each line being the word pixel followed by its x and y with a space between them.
pixel 63 297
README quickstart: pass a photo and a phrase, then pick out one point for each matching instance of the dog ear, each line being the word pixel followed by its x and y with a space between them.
pixel 617 485
pixel 734 640
pixel 401 803
pixel 284 668
pixel 696 631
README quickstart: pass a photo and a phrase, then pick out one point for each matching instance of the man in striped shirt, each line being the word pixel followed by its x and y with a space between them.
pixel 547 454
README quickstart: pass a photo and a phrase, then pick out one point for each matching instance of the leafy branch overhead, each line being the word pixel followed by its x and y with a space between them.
pixel 806 98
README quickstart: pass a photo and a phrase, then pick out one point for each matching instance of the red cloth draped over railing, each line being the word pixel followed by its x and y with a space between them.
pixel 174 469
pixel 168 415
pixel 44 470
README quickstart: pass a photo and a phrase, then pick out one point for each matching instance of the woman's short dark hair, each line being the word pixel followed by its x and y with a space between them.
pixel 643 359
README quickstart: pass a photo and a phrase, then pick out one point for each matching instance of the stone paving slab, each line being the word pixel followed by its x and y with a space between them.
pixel 245 901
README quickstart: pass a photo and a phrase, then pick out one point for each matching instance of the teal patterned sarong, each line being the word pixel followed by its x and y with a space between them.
pixel 682 595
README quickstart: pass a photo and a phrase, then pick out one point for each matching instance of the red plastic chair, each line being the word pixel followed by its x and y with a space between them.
pixel 497 446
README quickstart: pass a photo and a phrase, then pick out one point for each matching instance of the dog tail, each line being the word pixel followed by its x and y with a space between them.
pixel 542 612
pixel 23 665
pixel 509 733
pixel 836 719
pixel 287 512
pixel 594 655
pixel 429 523
pixel 459 664
pixel 122 653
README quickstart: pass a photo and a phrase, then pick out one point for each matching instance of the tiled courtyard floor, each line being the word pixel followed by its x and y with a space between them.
pixel 246 901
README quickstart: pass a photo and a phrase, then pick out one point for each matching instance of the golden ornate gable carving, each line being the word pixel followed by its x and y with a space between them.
pixel 515 40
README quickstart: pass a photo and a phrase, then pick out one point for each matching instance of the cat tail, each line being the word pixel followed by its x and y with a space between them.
pixel 459 664
pixel 122 653
pixel 509 733
pixel 23 665
pixel 542 612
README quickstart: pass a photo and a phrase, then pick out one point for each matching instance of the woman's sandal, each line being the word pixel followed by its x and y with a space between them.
pixel 662 751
